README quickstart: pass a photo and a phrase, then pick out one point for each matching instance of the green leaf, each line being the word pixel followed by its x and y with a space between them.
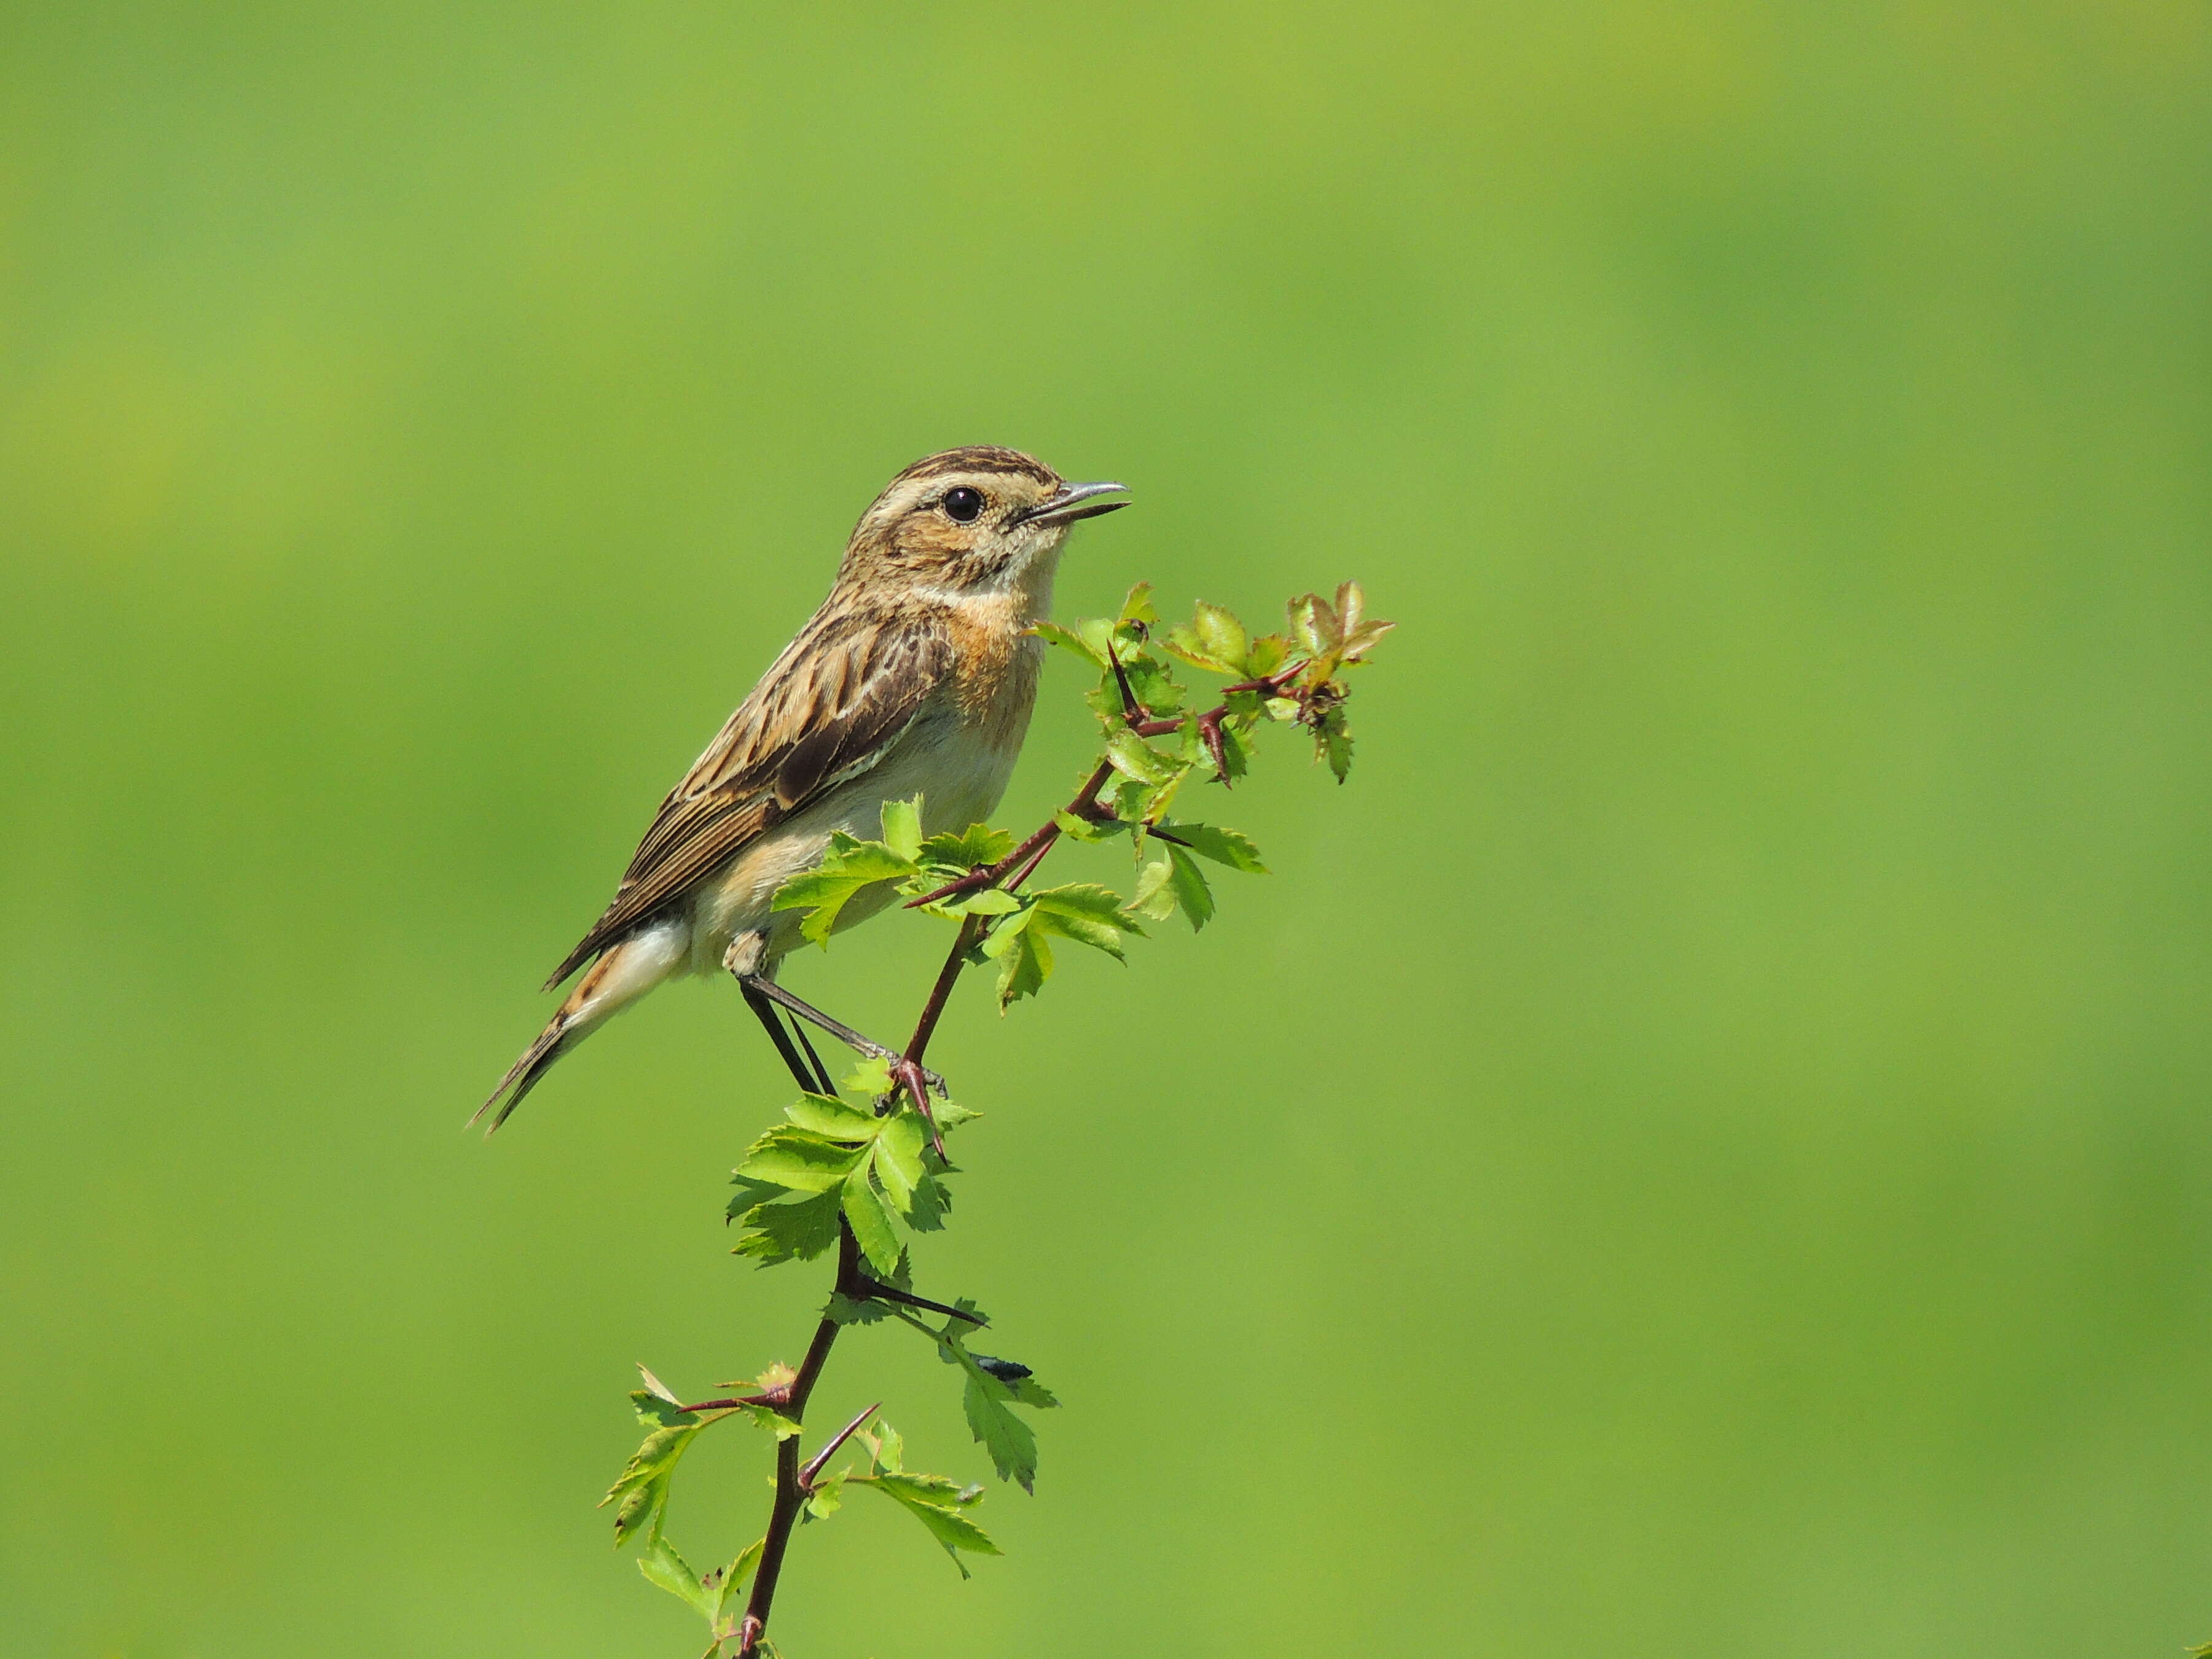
pixel 1192 894
pixel 1011 1442
pixel 1138 606
pixel 828 1494
pixel 885 1447
pixel 750 1192
pixel 869 1078
pixel 790 1232
pixel 1025 959
pixel 1227 846
pixel 832 1118
pixel 732 1578
pixel 985 1400
pixel 640 1492
pixel 846 867
pixel 872 1223
pixel 897 1160
pixel 1078 829
pixel 902 822
pixel 1067 639
pixel 1265 655
pixel 1086 912
pixel 1155 896
pixel 937 1502
pixel 978 844
pixel 1138 760
pixel 985 902
pixel 791 1157
pixel 766 1417
pixel 931 1203
pixel 1221 636
pixel 662 1565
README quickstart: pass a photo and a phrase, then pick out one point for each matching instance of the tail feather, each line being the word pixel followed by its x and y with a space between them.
pixel 615 980
pixel 526 1073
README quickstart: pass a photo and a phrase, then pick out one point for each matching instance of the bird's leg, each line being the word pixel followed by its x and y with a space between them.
pixel 772 1022
pixel 755 986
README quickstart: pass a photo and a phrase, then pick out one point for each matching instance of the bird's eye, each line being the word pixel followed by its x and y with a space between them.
pixel 962 504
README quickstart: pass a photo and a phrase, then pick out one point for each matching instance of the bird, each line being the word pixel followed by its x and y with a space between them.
pixel 916 676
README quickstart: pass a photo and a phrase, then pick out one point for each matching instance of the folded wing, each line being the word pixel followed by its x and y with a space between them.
pixel 837 700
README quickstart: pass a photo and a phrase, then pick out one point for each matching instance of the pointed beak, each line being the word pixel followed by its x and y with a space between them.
pixel 1073 502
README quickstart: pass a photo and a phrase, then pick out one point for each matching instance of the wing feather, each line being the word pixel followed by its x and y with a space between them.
pixel 837 700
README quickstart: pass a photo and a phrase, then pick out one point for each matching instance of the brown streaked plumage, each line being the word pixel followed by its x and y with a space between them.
pixel 916 676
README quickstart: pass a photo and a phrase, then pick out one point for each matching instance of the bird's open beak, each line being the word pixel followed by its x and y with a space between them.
pixel 1073 502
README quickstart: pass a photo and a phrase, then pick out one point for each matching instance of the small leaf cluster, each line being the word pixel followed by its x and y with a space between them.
pixel 641 1493
pixel 990 1387
pixel 870 1166
pixel 940 1504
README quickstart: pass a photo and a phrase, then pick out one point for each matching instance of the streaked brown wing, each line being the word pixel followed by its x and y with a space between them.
pixel 838 697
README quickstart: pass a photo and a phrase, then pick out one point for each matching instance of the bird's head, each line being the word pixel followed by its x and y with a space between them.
pixel 976 520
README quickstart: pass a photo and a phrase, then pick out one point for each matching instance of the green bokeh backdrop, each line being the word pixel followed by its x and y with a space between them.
pixel 1700 1149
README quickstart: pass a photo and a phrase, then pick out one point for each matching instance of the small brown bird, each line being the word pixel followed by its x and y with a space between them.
pixel 915 677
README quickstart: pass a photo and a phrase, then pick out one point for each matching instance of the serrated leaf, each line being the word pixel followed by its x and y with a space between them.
pixel 1155 898
pixel 802 1162
pixel 986 1402
pixel 1265 655
pixel 872 1222
pixel 833 1119
pixel 936 1503
pixel 1086 912
pixel 1338 747
pixel 886 1451
pixel 1138 760
pixel 846 868
pixel 662 1565
pixel 1220 635
pixel 660 1411
pixel 870 1077
pixel 1192 896
pixel 978 844
pixel 790 1232
pixel 1025 960
pixel 902 820
pixel 1053 633
pixel 828 1494
pixel 735 1576
pixel 897 1160
pixel 1228 846
pixel 931 1203
pixel 640 1491
pixel 1003 937
pixel 988 902
pixel 750 1192
pixel 1090 829
pixel 1137 607
pixel 766 1417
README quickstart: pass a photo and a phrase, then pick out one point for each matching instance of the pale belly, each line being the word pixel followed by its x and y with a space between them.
pixel 959 776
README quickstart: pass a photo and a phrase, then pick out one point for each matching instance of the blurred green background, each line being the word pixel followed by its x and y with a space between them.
pixel 1699 1149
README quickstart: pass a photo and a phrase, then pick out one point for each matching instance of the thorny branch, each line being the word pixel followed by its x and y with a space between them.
pixel 792 1481
pixel 1285 677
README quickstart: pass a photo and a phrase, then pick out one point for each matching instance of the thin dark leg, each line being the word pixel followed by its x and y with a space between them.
pixel 754 984
pixel 764 1011
pixel 820 1070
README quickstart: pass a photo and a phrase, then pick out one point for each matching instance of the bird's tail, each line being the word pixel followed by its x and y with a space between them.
pixel 618 979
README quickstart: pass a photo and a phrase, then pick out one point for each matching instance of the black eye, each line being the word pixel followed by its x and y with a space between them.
pixel 962 504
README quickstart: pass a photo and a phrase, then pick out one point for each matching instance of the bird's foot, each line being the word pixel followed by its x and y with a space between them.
pixel 915 1081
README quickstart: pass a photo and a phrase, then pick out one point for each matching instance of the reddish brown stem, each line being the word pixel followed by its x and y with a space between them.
pixel 790 1490
pixel 792 1479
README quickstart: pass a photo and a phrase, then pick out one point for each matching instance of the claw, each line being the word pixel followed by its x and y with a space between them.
pixel 917 1081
